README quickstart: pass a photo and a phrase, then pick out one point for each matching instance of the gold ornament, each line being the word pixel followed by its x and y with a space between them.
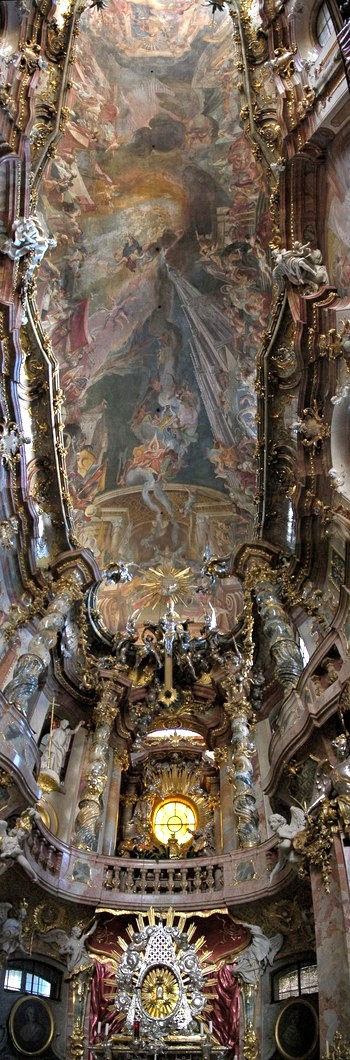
pixel 160 992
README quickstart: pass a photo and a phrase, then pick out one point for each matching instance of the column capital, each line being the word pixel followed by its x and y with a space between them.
pixel 256 560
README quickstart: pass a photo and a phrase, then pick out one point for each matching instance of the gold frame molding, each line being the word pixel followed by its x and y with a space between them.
pixel 30 999
pixel 295 1002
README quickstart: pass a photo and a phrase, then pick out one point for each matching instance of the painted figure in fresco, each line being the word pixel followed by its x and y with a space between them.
pixel 161 316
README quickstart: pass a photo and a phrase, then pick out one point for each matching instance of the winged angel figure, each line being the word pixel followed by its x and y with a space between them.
pixel 286 834
pixel 73 946
pixel 11 930
pixel 251 963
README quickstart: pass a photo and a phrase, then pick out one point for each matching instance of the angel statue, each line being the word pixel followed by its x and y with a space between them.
pixel 11 849
pixel 251 963
pixel 73 946
pixel 11 930
pixel 287 855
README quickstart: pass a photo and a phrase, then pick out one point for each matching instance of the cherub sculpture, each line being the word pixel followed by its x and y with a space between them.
pixel 286 834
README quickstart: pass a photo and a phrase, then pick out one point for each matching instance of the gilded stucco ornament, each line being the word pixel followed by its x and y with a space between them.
pixel 8 531
pixel 12 439
pixel 339 1049
pixel 312 427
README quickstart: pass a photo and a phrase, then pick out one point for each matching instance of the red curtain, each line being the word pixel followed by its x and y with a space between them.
pixel 226 1010
pixel 103 989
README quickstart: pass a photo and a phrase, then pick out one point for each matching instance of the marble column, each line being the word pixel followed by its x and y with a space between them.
pixel 32 665
pixel 278 630
pixel 90 812
pixel 332 930
pixel 226 804
pixel 120 762
pixel 241 776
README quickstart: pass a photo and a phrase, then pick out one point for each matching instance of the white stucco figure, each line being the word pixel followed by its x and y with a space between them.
pixel 11 930
pixel 54 747
pixel 73 946
pixel 251 963
pixel 286 834
pixel 301 266
pixel 11 849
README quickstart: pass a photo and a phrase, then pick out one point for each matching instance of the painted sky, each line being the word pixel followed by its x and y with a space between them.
pixel 158 293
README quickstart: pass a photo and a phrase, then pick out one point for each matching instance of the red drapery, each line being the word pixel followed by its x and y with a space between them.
pixel 103 987
pixel 226 1010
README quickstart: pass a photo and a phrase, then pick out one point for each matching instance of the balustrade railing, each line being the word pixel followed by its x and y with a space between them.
pixel 121 882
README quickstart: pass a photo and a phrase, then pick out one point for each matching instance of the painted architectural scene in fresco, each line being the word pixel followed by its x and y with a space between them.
pixel 158 292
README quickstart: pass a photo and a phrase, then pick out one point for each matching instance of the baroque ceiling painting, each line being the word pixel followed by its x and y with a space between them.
pixel 158 291
pixel 174 529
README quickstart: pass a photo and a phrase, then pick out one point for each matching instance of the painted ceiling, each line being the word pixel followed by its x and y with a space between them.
pixel 158 292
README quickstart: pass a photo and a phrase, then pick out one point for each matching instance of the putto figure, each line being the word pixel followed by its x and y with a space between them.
pixel 301 266
pixel 286 833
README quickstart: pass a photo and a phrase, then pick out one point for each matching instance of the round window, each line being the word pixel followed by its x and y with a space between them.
pixel 174 818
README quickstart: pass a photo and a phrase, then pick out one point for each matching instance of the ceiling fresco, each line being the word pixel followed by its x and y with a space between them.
pixel 158 292
pixel 338 226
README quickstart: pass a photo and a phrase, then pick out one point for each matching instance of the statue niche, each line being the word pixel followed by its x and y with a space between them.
pixel 167 811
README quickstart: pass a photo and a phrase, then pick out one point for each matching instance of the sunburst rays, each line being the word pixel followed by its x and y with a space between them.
pixel 160 585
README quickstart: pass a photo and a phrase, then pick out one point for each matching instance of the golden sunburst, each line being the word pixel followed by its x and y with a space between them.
pixel 160 585
pixel 160 992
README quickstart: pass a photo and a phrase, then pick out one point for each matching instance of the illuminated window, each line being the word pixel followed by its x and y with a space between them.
pixel 292 982
pixel 33 977
pixel 324 25
pixel 174 818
